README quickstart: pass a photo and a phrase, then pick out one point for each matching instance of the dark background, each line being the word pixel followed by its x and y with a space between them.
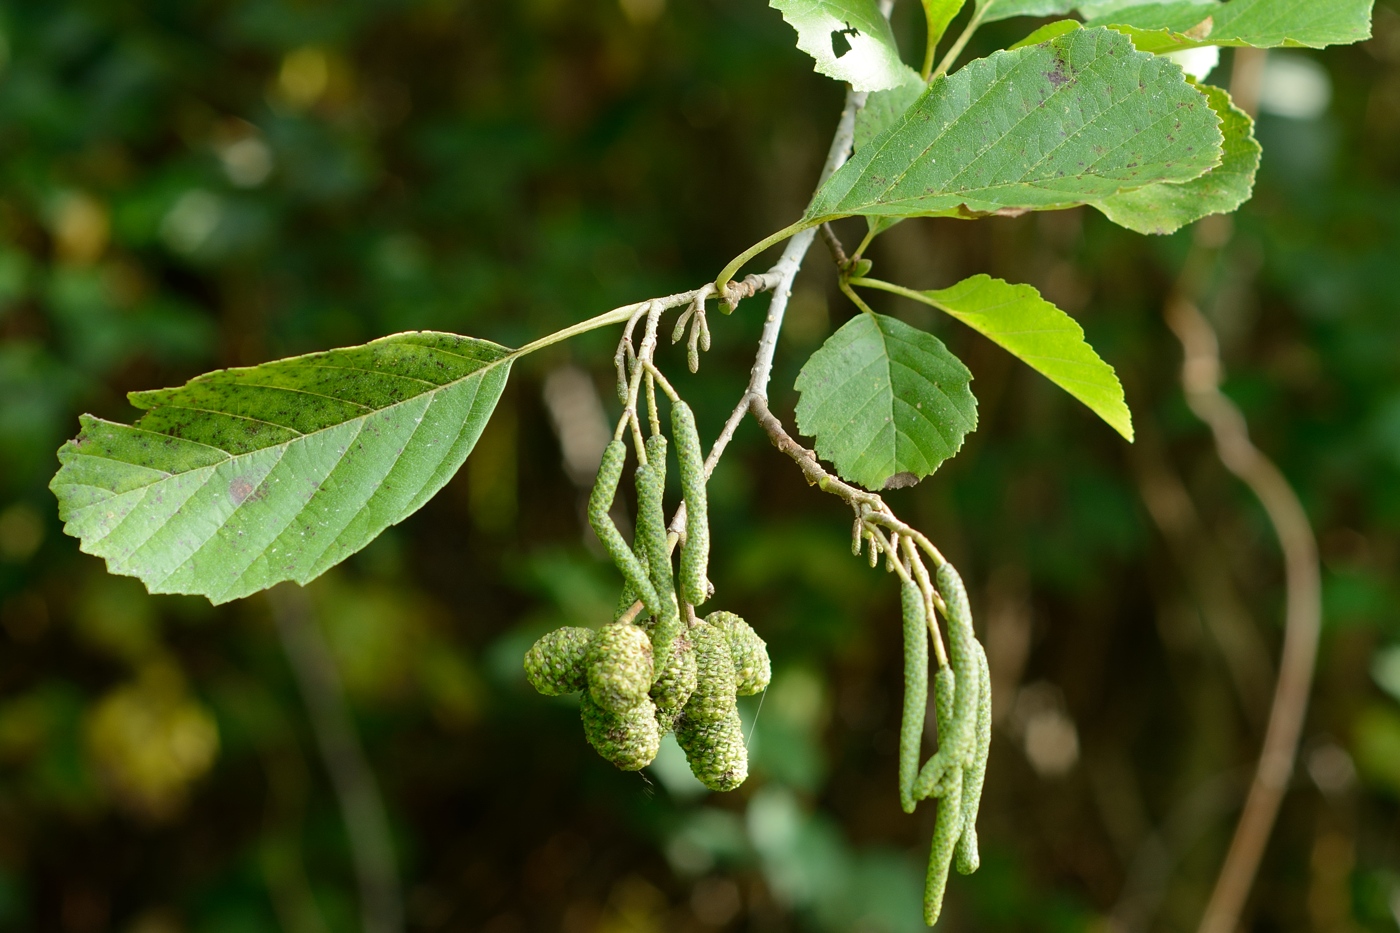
pixel 188 184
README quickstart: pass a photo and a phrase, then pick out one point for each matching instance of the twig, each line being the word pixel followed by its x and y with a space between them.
pixel 1200 379
pixel 871 512
pixel 361 806
pixel 960 43
pixel 838 252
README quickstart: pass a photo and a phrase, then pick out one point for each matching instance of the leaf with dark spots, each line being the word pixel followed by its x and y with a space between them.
pixel 307 459
pixel 1166 208
pixel 971 146
pixel 1177 25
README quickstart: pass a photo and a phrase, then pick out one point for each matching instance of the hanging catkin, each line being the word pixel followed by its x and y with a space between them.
pixel 599 503
pixel 911 728
pixel 695 553
pixel 651 540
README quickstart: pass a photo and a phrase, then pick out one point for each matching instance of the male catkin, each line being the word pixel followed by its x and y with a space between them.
pixel 911 727
pixel 619 665
pixel 554 665
pixel 599 502
pixel 651 541
pixel 962 656
pixel 934 775
pixel 968 857
pixel 695 554
pixel 946 830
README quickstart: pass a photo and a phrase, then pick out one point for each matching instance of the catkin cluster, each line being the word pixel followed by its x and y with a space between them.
pixel 628 703
pixel 962 693
pixel 661 670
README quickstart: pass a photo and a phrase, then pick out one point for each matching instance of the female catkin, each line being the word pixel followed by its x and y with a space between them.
pixel 695 553
pixel 651 541
pixel 911 727
pixel 599 502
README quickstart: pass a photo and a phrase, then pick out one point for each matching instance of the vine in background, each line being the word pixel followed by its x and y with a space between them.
pixel 245 478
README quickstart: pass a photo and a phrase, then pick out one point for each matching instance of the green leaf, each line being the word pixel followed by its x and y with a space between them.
pixel 1093 9
pixel 1005 9
pixel 1166 208
pixel 937 15
pixel 883 108
pixel 1040 335
pixel 1074 120
pixel 883 398
pixel 1047 32
pixel 850 41
pixel 244 478
pixel 1169 27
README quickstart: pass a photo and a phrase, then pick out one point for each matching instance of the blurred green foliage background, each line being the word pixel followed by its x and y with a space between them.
pixel 188 184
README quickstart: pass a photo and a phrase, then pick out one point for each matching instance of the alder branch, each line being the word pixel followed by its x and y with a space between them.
pixel 1200 379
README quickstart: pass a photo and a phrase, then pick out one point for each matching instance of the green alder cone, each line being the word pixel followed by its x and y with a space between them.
pixel 619 666
pixel 554 665
pixel 715 685
pixel 675 682
pixel 709 730
pixel 752 669
pixel 629 740
pixel 715 749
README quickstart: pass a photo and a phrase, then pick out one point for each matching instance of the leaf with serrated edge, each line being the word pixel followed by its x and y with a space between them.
pixel 869 58
pixel 243 478
pixel 1170 27
pixel 1040 335
pixel 881 398
pixel 1076 119
pixel 1166 208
